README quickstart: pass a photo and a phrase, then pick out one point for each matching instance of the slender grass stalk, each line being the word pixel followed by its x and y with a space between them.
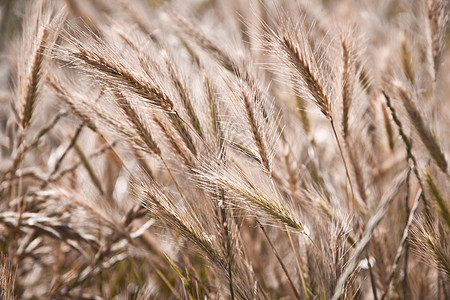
pixel 408 146
pixel 283 266
pixel 402 244
pixel 371 225
pixel 300 272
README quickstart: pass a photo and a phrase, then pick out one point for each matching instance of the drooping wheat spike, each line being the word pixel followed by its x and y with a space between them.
pixel 69 95
pixel 190 29
pixel 349 75
pixel 41 29
pixel 180 126
pixel 29 97
pixel 138 123
pixel 291 45
pixel 236 182
pixel 431 245
pixel 31 73
pixel 213 109
pixel 164 209
pixel 177 149
pixel 184 96
pixel 95 57
pixel 347 82
pixel 89 109
pixel 227 229
pixel 437 22
pixel 187 225
pixel 248 98
pixel 92 55
pixel 425 134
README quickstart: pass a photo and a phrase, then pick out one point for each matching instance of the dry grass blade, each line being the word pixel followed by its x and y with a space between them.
pixel 68 148
pixel 388 127
pixel 359 176
pixel 72 168
pixel 94 177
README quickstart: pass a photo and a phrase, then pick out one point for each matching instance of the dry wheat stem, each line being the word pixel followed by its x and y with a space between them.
pixel 402 243
pixel 408 147
pixel 371 225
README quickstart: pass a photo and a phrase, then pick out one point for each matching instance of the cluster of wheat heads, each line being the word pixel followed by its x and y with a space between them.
pixel 224 149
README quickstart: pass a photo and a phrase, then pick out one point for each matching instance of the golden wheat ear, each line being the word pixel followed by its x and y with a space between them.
pixel 438 18
pixel 431 243
pixel 425 134
pixel 41 28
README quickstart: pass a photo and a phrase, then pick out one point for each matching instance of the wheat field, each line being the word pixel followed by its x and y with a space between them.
pixel 234 149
